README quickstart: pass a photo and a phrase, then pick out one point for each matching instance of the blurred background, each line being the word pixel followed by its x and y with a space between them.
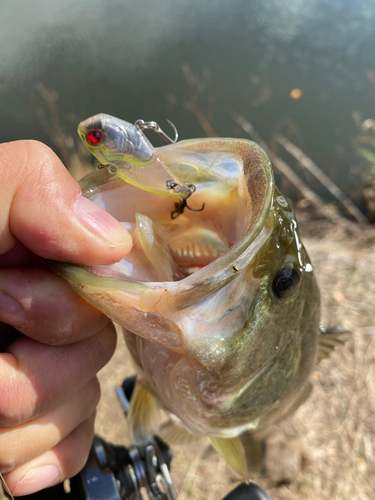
pixel 291 73
pixel 302 68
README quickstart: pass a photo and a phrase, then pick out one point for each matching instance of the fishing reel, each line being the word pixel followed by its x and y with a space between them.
pixel 135 473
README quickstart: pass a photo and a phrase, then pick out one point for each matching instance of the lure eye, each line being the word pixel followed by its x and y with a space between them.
pixel 285 282
pixel 94 137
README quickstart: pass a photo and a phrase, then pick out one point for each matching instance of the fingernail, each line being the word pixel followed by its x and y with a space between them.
pixel 99 221
pixel 11 311
pixel 37 479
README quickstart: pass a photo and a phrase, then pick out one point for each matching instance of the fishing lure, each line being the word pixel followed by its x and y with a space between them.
pixel 125 149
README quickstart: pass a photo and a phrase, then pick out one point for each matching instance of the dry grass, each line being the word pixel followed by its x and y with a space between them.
pixel 335 429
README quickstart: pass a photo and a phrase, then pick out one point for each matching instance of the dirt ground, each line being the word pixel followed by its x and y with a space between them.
pixel 334 431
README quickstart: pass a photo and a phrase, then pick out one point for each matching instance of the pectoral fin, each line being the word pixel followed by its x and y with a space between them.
pixel 330 341
pixel 177 434
pixel 233 453
pixel 144 417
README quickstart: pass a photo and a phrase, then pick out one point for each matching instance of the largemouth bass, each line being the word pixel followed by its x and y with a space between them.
pixel 219 303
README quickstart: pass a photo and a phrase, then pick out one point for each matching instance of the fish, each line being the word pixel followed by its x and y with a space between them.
pixel 219 305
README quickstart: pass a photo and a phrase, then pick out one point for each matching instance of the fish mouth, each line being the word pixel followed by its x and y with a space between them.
pixel 176 263
pixel 198 252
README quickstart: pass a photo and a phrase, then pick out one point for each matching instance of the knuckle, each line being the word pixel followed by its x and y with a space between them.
pixel 106 341
pixel 7 461
pixel 40 157
pixel 17 404
pixel 29 154
pixel 12 452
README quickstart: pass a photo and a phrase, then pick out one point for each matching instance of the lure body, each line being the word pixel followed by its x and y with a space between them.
pixel 124 145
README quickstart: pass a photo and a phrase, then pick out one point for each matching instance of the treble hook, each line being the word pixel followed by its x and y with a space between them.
pixel 180 206
pixel 142 125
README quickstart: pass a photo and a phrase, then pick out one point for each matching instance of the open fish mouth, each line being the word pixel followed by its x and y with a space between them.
pixel 198 250
pixel 166 249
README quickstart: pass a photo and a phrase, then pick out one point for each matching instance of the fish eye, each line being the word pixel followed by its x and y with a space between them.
pixel 285 282
pixel 94 137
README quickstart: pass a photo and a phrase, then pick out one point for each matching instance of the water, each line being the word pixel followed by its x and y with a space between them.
pixel 124 58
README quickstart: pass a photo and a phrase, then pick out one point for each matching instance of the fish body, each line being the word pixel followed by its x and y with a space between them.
pixel 220 308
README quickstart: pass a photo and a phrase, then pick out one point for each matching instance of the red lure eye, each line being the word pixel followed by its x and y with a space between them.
pixel 94 137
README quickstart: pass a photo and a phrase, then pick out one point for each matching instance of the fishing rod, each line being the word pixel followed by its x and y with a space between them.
pixel 120 473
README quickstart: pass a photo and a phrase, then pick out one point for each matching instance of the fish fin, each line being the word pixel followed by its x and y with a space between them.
pixel 232 451
pixel 144 417
pixel 254 451
pixel 177 434
pixel 330 341
pixel 303 395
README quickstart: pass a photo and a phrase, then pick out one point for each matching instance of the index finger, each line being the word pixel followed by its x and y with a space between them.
pixel 42 207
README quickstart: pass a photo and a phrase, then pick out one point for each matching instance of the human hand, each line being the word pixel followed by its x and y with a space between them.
pixel 48 390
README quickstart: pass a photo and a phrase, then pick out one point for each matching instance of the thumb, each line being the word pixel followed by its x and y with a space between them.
pixel 43 208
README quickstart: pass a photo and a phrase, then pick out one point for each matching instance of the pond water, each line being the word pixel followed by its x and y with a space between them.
pixel 125 58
